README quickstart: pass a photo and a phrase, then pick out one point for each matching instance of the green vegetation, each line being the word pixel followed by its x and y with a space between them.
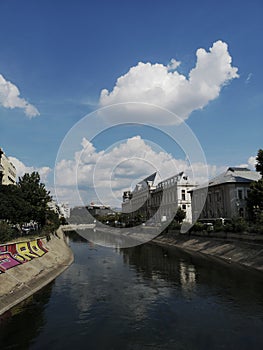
pixel 24 203
pixel 255 196
pixel 180 215
pixel 259 164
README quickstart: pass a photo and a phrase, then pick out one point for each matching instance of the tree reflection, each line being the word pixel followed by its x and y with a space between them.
pixel 20 325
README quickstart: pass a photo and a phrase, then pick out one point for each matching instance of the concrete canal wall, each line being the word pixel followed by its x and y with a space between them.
pixel 245 251
pixel 29 265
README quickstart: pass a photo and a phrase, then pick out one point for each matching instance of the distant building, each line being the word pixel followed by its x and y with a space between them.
pixel 80 214
pixel 53 206
pixel 64 210
pixel 226 195
pixel 99 209
pixel 163 199
pixel 7 170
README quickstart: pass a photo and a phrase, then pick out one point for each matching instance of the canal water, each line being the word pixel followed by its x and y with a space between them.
pixel 145 297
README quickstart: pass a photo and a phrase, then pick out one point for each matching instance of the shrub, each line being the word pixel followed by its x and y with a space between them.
pixel 239 225
pixel 7 233
pixel 198 226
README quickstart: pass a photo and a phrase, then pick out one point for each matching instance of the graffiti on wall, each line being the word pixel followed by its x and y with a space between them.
pixel 15 254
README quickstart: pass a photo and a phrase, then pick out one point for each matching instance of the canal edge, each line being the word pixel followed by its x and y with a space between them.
pixel 35 274
pixel 227 252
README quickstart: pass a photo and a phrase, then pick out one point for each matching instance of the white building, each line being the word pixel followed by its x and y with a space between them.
pixel 7 170
pixel 161 200
pixel 64 210
pixel 172 193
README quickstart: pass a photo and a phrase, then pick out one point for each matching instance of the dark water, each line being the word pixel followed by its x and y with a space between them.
pixel 147 297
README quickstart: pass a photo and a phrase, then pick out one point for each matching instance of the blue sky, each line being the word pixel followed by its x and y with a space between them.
pixel 61 54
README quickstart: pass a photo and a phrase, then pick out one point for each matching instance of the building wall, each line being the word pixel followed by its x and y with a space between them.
pixel 138 204
pixel 162 200
pixel 7 170
pixel 223 201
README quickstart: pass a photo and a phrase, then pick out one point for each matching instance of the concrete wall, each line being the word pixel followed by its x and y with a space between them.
pixel 231 249
pixel 20 282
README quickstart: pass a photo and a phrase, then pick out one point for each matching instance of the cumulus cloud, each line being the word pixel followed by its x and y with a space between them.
pixel 102 176
pixel 10 98
pixel 21 169
pixel 163 86
pixel 251 163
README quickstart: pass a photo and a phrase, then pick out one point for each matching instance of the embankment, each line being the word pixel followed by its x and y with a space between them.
pixel 23 280
pixel 245 252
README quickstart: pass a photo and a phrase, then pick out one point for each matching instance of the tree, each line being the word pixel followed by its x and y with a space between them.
pixel 259 164
pixel 255 195
pixel 255 200
pixel 35 193
pixel 180 215
pixel 13 207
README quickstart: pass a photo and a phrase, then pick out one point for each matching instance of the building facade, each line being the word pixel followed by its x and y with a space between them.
pixel 138 201
pixel 87 214
pixel 226 195
pixel 160 200
pixel 172 193
pixel 7 170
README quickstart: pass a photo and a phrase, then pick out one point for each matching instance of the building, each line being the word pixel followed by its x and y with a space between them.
pixel 7 170
pixel 64 210
pixel 226 195
pixel 138 202
pixel 171 194
pixel 99 209
pixel 87 214
pixel 160 200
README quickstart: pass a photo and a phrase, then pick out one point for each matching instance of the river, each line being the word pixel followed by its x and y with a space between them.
pixel 145 297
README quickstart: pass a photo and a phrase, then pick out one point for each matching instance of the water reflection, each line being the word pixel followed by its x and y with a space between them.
pixel 232 283
pixel 145 297
pixel 20 325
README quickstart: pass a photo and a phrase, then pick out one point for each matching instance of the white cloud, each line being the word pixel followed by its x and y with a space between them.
pixel 104 175
pixel 173 64
pixel 10 98
pixel 163 86
pixel 249 78
pixel 21 169
pixel 252 162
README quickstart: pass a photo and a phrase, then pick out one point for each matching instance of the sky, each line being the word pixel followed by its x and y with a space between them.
pixel 102 93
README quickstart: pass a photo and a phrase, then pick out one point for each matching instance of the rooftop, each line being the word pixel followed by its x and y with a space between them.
pixel 233 175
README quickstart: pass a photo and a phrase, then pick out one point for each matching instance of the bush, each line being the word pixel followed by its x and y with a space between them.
pixel 198 227
pixel 239 225
pixel 7 233
pixel 174 225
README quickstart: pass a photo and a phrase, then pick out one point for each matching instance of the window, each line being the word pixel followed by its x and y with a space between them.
pixel 241 212
pixel 184 206
pixel 240 194
pixel 183 195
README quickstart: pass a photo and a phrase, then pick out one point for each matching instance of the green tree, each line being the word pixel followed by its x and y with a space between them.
pixel 180 215
pixel 52 221
pixel 255 201
pixel 255 195
pixel 35 193
pixel 259 164
pixel 13 207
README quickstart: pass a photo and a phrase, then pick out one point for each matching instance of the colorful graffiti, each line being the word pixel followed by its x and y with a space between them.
pixel 15 254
